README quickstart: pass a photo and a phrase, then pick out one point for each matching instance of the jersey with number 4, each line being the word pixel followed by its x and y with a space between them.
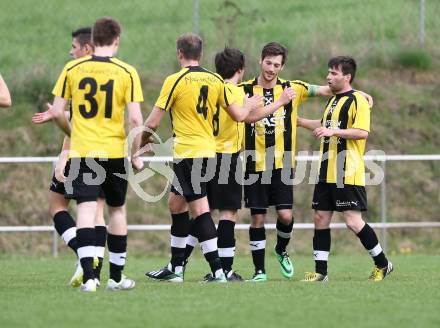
pixel 99 89
pixel 194 97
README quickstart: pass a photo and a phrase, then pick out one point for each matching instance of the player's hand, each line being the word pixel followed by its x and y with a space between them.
pixel 323 132
pixel 254 102
pixel 43 117
pixel 137 163
pixel 59 171
pixel 368 97
pixel 287 96
pixel 146 139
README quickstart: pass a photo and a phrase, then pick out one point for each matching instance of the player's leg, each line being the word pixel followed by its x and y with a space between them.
pixel 64 224
pixel 284 233
pixel 101 236
pixel 257 199
pixel 180 225
pixel 85 194
pixel 226 242
pixel 352 200
pixel 323 206
pixel 86 238
pixel 368 238
pixel 257 242
pixel 117 248
pixel 115 191
pixel 321 246
pixel 225 194
pixel 207 235
pixel 191 242
pixel 280 193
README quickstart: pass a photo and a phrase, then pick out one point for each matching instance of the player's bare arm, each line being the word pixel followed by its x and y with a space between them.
pixel 5 96
pixel 262 112
pixel 135 121
pixel 354 134
pixel 151 124
pixel 62 160
pixel 308 124
pixel 238 113
pixel 46 116
pixel 58 106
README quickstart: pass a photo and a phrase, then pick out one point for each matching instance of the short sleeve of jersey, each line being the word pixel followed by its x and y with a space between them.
pixel 361 114
pixel 166 96
pixel 237 93
pixel 226 96
pixel 62 86
pixel 134 92
pixel 301 89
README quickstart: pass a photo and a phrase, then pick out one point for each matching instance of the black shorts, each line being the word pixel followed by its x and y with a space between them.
pixel 269 189
pixel 58 187
pixel 85 183
pixel 328 197
pixel 224 190
pixel 190 175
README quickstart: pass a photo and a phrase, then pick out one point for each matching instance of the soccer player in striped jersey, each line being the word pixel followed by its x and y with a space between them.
pixel 225 188
pixel 343 131
pixel 58 205
pixel 193 96
pixel 100 87
pixel 270 157
pixel 5 96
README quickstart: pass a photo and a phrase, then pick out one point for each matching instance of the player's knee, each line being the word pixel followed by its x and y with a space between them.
pixel 57 203
pixel 177 205
pixel 321 221
pixel 257 221
pixel 354 222
pixel 53 210
pixel 285 219
pixel 228 215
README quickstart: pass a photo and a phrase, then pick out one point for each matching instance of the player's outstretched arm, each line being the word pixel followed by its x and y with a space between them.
pixel 5 96
pixel 262 112
pixel 135 120
pixel 325 91
pixel 238 113
pixel 58 106
pixel 151 124
pixel 352 133
pixel 308 124
pixel 46 116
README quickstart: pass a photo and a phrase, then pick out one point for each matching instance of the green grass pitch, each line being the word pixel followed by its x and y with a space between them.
pixel 34 293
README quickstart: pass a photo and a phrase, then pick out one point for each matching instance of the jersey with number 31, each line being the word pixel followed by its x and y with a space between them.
pixel 99 89
pixel 194 97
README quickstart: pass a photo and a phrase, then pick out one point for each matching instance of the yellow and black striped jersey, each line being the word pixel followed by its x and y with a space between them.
pixel 99 89
pixel 230 133
pixel 274 136
pixel 341 160
pixel 194 96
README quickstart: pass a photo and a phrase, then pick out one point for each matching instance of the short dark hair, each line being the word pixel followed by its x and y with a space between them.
pixel 274 49
pixel 105 31
pixel 345 63
pixel 190 45
pixel 228 62
pixel 83 35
